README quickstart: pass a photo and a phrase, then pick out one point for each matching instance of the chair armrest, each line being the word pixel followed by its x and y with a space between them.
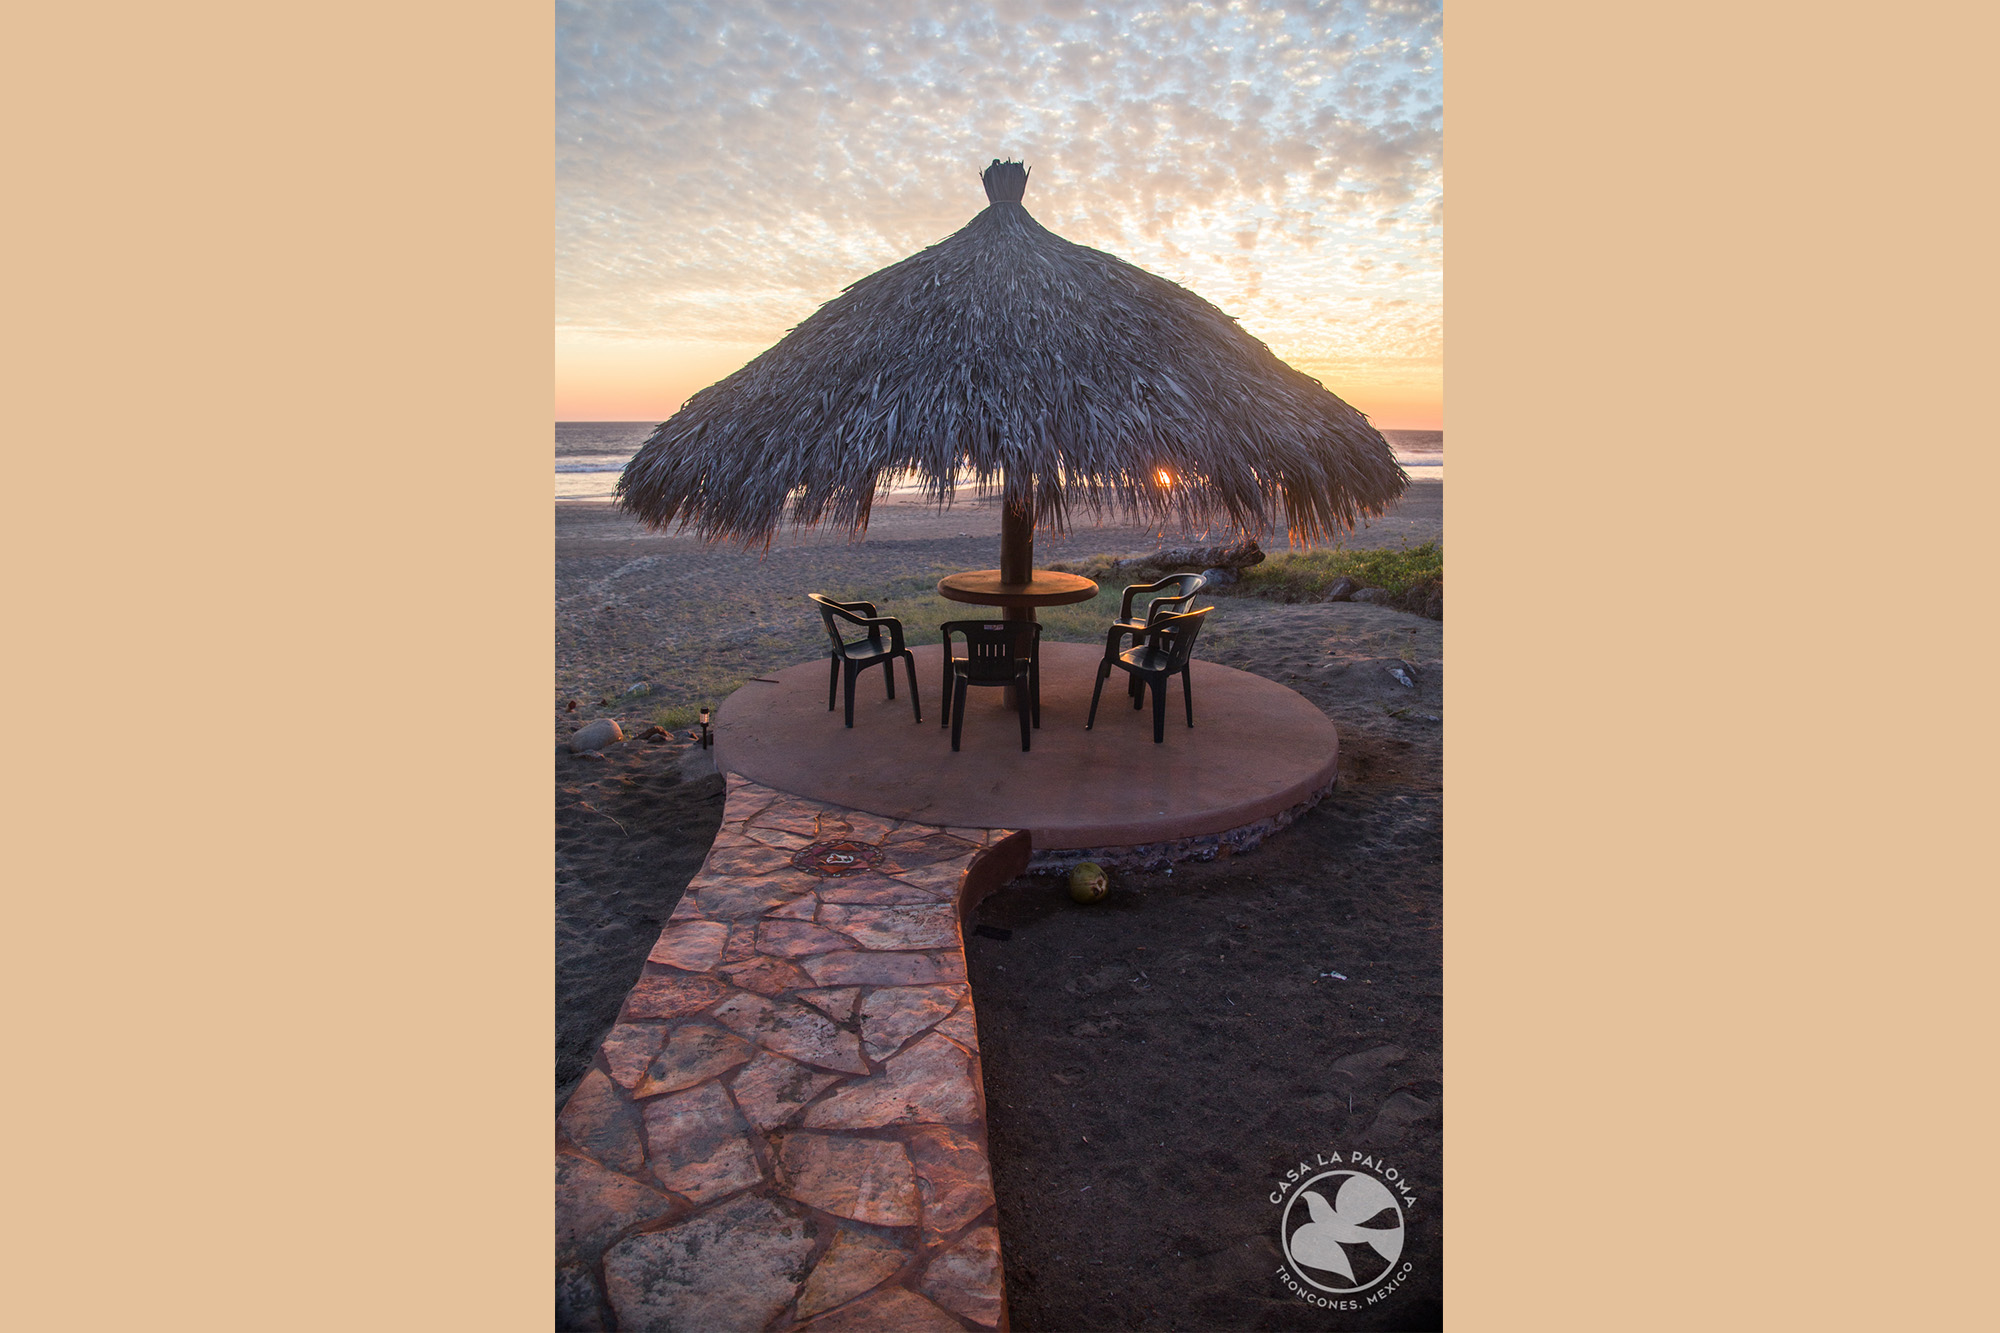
pixel 876 624
pixel 1137 590
pixel 1141 589
pixel 895 627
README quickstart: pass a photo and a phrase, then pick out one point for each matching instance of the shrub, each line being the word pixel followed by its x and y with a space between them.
pixel 1413 574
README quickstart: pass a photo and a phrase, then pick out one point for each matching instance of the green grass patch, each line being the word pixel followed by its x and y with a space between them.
pixel 677 718
pixel 1304 576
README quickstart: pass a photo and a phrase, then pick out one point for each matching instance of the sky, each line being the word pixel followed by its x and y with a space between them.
pixel 723 170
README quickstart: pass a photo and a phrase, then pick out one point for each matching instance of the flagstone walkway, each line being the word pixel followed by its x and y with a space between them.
pixel 786 1128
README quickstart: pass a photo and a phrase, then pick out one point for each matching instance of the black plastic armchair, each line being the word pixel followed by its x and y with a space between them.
pixel 1184 587
pixel 997 652
pixel 856 657
pixel 1167 648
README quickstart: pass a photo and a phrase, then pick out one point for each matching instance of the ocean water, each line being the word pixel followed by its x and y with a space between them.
pixel 591 454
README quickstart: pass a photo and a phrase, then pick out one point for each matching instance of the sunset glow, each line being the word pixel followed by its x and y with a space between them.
pixel 722 171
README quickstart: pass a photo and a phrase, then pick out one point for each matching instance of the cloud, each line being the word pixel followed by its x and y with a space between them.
pixel 722 169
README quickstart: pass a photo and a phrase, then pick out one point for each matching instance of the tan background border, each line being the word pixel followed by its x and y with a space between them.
pixel 281 915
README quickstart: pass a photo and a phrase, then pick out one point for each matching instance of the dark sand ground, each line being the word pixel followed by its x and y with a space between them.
pixel 1152 1063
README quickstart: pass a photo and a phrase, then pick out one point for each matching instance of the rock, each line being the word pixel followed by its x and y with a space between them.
pixel 931 1083
pixel 962 1028
pixel 892 1015
pixel 698 1144
pixel 929 926
pixel 854 1262
pixel 595 1206
pixel 639 687
pixel 797 939
pixel 1401 1110
pixel 792 1029
pixel 630 1047
pixel 952 1177
pixel 1219 577
pixel 693 946
pixel 1240 555
pixel 1426 598
pixel 869 1180
pixel 601 1123
pixel 1342 589
pixel 771 1089
pixel 735 1266
pixel 694 1054
pixel 1372 596
pixel 579 1305
pixel 965 1279
pixel 663 997
pixel 888 1308
pixel 1368 1063
pixel 595 735
pixel 766 976
pixel 863 968
pixel 1405 674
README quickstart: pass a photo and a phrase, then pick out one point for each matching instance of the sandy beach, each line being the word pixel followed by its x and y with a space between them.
pixel 1151 1063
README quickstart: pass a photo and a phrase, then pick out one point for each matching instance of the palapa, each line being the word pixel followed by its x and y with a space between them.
pixel 1010 359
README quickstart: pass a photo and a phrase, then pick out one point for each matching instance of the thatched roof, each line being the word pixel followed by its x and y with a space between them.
pixel 1005 352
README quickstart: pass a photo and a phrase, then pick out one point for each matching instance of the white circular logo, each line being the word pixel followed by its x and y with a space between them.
pixel 1342 1231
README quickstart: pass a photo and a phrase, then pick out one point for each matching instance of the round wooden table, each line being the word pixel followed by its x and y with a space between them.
pixel 1048 587
pixel 1045 587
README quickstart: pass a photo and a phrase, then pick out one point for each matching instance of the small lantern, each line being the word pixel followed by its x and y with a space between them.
pixel 706 739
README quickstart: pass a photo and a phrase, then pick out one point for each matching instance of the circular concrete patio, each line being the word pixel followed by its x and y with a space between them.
pixel 1257 750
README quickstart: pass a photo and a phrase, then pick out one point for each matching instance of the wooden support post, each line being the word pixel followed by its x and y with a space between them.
pixel 1017 557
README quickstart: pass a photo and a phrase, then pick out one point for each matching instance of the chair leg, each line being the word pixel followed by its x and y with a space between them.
pixel 957 709
pixel 847 692
pixel 1159 684
pixel 832 682
pixel 916 705
pixel 1187 694
pixel 1035 686
pixel 889 674
pixel 1102 672
pixel 944 690
pixel 1023 690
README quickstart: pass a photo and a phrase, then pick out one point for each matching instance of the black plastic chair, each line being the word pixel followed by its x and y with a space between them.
pixel 856 657
pixel 1168 647
pixel 997 652
pixel 1185 587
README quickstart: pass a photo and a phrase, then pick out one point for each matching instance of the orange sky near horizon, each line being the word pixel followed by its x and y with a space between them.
pixel 636 380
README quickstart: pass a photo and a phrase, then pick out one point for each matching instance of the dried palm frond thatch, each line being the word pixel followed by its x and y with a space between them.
pixel 1007 358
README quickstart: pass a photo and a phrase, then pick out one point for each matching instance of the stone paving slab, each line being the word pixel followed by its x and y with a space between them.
pixel 786 1129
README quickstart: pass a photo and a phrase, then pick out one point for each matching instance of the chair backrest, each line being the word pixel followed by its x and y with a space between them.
pixel 852 612
pixel 1174 635
pixel 1184 587
pixel 994 649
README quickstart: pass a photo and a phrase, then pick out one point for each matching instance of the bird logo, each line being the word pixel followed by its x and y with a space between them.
pixel 1353 1218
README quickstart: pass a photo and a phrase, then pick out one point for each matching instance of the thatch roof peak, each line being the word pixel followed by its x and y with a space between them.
pixel 1005 182
pixel 1005 355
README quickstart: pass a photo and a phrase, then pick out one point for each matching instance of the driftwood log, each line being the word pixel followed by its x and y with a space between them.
pixel 1235 557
